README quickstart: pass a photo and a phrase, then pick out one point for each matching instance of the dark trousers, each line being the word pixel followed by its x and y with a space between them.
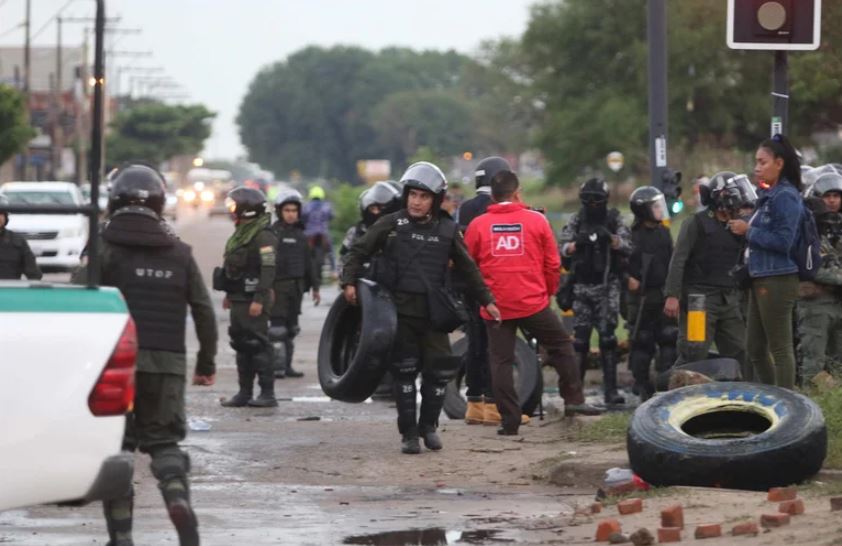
pixel 477 372
pixel 548 329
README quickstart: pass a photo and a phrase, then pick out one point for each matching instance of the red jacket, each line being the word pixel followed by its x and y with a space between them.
pixel 517 255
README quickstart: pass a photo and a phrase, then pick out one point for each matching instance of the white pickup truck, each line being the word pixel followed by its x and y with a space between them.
pixel 67 357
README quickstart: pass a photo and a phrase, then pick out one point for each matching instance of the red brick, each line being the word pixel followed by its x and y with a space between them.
pixel 672 516
pixel 606 528
pixel 669 534
pixel 745 528
pixel 793 507
pixel 835 504
pixel 708 530
pixel 774 520
pixel 596 508
pixel 630 506
pixel 779 494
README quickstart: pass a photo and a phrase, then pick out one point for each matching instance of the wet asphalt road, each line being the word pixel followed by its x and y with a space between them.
pixel 315 471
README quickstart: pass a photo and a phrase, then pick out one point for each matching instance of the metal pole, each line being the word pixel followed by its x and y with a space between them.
pixel 780 94
pixel 96 145
pixel 657 39
pixel 26 84
pixel 58 130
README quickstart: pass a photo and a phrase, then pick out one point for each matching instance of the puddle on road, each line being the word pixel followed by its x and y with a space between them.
pixel 430 537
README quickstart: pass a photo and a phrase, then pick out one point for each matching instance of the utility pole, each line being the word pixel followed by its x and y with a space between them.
pixel 780 94
pixel 656 29
pixel 58 130
pixel 26 84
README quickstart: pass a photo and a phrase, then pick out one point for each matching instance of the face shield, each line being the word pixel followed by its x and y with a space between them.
pixel 747 192
pixel 658 209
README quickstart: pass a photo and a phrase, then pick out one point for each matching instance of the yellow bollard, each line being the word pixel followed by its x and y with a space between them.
pixel 696 318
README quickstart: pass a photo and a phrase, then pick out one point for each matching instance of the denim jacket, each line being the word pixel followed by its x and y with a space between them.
pixel 774 231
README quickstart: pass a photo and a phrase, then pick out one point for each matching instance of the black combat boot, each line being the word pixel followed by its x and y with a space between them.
pixel 432 400
pixel 290 371
pixel 609 377
pixel 118 520
pixel 262 362
pixel 245 378
pixel 177 500
pixel 410 444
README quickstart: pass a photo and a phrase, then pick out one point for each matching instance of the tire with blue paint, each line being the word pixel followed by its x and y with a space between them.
pixel 734 435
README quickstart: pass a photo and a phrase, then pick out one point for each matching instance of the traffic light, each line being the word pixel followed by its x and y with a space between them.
pixel 671 186
pixel 774 24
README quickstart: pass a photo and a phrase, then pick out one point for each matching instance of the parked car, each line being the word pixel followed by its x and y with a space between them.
pixel 57 240
pixel 63 444
pixel 103 196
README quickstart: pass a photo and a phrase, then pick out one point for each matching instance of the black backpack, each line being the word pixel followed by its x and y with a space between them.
pixel 807 249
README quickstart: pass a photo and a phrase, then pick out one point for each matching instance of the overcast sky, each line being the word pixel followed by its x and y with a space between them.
pixel 213 48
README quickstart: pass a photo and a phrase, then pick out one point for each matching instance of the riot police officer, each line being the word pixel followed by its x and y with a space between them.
pixel 482 407
pixel 413 248
pixel 649 262
pixel 158 278
pixel 16 258
pixel 295 275
pixel 381 198
pixel 247 277
pixel 598 243
pixel 819 313
pixel 705 253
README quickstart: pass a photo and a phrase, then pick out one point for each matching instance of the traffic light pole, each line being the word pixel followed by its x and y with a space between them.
pixel 780 94
pixel 656 30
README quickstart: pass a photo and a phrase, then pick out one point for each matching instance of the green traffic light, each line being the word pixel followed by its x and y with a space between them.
pixel 676 207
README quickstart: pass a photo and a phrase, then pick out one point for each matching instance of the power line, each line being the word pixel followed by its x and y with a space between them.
pixel 51 19
pixel 11 30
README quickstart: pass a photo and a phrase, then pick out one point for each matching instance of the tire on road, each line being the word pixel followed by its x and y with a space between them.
pixel 529 380
pixel 735 435
pixel 355 343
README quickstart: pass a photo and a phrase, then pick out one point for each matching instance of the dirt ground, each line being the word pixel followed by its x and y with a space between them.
pixel 316 471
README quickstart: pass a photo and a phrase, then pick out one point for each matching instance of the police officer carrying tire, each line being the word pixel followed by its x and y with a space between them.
pixel 649 328
pixel 705 253
pixel 295 275
pixel 482 407
pixel 413 248
pixel 16 258
pixel 158 278
pixel 598 243
pixel 247 276
pixel 819 308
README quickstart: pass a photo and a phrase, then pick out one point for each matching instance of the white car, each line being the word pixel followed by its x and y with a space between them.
pixel 57 240
pixel 66 382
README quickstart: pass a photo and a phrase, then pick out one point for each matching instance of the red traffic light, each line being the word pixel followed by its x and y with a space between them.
pixel 774 24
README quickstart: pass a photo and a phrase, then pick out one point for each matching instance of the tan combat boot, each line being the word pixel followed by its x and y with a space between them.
pixel 475 412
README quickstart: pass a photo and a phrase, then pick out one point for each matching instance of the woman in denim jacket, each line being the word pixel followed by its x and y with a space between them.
pixel 771 234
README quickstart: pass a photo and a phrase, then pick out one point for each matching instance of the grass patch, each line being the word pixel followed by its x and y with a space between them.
pixel 831 404
pixel 607 429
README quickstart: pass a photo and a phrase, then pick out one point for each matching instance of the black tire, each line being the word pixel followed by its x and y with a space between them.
pixel 735 435
pixel 355 343
pixel 530 381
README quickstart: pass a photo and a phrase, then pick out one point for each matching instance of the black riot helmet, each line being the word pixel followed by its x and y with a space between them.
pixel 246 203
pixel 593 194
pixel 137 185
pixel 487 168
pixel 4 201
pixel 382 194
pixel 711 194
pixel 425 176
pixel 286 197
pixel 648 203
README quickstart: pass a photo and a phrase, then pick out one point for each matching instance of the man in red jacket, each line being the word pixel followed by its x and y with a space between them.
pixel 517 255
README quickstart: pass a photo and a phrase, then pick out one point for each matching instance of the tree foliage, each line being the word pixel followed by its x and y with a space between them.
pixel 587 60
pixel 15 131
pixel 321 110
pixel 155 132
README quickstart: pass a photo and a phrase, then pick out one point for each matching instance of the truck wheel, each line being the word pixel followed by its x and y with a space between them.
pixel 528 380
pixel 734 435
pixel 355 343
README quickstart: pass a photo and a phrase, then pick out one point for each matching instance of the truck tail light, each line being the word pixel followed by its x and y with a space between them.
pixel 113 393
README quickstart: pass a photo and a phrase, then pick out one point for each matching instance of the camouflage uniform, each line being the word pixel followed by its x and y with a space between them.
pixel 819 315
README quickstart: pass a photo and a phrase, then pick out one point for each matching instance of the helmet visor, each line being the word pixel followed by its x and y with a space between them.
pixel 657 208
pixel 428 176
pixel 747 192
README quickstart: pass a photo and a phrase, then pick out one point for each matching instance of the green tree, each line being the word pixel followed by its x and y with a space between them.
pixel 15 131
pixel 155 132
